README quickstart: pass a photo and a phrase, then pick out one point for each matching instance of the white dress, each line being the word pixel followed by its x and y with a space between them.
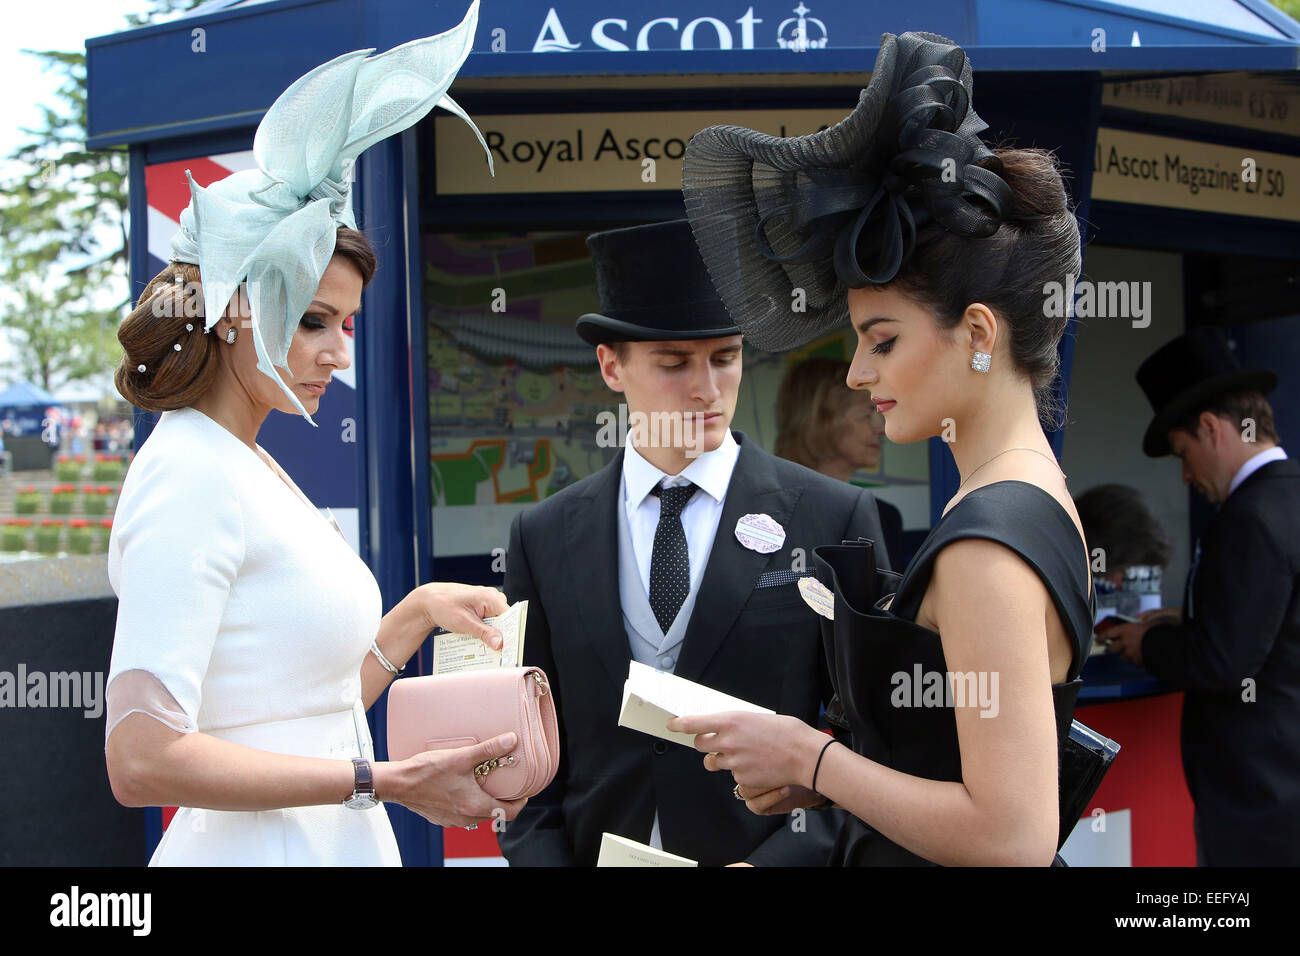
pixel 244 614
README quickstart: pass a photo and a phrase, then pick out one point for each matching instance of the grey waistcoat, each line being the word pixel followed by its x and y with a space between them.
pixel 649 644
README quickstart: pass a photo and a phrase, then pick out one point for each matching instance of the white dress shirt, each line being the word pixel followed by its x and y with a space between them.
pixel 1254 463
pixel 710 472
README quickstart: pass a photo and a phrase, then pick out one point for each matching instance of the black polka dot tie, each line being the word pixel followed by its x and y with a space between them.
pixel 670 562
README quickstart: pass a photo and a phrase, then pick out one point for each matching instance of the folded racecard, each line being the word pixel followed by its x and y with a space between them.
pixel 620 851
pixel 651 698
pixel 453 653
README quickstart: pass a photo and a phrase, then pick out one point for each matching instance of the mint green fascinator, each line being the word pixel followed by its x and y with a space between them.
pixel 273 227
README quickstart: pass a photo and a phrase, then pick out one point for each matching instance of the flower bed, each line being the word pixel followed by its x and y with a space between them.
pixel 83 537
pixel 13 534
pixel 95 500
pixel 62 499
pixel 107 468
pixel 70 467
pixel 27 501
pixel 48 535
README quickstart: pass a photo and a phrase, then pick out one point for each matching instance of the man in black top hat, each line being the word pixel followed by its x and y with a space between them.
pixel 1235 645
pixel 683 554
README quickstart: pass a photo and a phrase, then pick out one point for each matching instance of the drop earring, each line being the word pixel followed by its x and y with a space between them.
pixel 981 361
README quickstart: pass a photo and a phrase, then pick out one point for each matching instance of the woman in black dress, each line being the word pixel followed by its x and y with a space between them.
pixel 955 691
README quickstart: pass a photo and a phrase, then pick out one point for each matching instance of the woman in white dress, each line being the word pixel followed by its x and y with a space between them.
pixel 250 640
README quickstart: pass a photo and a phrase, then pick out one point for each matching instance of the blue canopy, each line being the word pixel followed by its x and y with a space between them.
pixel 24 395
pixel 220 67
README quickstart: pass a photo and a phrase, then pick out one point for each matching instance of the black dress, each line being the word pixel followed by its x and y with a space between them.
pixel 881 659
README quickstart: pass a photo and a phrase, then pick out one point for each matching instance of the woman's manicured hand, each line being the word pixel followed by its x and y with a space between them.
pixel 781 800
pixel 440 785
pixel 461 608
pixel 762 751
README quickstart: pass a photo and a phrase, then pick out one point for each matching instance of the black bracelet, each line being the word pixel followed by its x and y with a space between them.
pixel 817 769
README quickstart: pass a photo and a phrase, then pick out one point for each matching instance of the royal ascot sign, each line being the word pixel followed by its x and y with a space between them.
pixel 1173 173
pixel 797 31
pixel 590 152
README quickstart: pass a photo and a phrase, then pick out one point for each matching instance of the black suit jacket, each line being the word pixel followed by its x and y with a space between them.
pixel 1237 655
pixel 753 639
pixel 891 526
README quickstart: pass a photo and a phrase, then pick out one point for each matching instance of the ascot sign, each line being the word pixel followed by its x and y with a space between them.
pixel 797 33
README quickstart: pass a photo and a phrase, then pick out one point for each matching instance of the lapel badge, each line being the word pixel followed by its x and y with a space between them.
pixel 818 597
pixel 760 533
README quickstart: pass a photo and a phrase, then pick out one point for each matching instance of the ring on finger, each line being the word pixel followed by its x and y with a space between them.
pixel 735 792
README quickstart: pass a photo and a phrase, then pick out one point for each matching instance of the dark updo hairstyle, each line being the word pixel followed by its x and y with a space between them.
pixel 176 379
pixel 1037 242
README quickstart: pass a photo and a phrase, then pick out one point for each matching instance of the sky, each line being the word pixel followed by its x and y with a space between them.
pixel 52 25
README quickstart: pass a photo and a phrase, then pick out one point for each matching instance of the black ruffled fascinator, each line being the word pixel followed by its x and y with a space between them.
pixel 787 225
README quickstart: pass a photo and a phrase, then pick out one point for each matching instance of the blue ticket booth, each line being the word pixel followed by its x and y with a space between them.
pixel 470 397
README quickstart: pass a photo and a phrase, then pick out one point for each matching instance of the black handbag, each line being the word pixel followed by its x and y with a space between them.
pixel 1085 757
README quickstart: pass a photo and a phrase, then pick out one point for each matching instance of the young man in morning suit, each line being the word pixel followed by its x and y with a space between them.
pixel 1235 645
pixel 643 561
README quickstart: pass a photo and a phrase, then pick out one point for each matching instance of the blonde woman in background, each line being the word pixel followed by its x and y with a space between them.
pixel 824 425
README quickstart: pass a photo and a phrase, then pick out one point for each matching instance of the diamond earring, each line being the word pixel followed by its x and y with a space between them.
pixel 981 361
pixel 230 337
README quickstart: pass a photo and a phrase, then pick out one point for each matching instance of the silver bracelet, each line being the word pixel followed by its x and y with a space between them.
pixel 388 666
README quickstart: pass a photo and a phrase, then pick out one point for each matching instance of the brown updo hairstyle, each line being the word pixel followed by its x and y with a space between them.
pixel 176 379
pixel 810 398
pixel 1038 242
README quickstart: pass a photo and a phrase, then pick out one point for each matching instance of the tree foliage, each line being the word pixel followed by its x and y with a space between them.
pixel 64 234
pixel 63 240
pixel 1290 7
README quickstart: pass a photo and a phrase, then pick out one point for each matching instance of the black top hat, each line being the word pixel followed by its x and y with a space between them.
pixel 653 288
pixel 1185 373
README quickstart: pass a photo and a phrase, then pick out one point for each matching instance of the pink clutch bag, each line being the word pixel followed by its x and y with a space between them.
pixel 458 710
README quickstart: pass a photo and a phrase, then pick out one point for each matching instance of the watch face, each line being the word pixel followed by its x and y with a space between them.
pixel 360 802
